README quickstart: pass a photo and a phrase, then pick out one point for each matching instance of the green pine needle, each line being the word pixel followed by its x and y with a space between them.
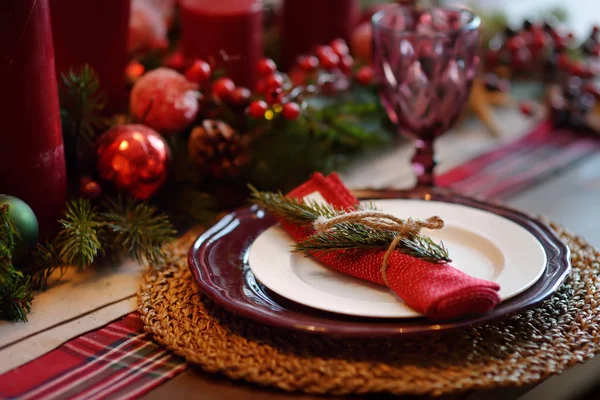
pixel 46 261
pixel 344 236
pixel 138 228
pixel 15 297
pixel 78 239
pixel 82 103
pixel 8 232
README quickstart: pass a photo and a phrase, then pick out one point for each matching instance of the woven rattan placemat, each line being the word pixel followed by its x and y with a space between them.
pixel 522 350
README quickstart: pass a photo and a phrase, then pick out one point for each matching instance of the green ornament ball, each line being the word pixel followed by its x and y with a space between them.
pixel 26 223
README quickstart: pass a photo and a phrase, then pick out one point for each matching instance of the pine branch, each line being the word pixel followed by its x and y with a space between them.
pixel 290 209
pixel 15 297
pixel 357 236
pixel 78 238
pixel 137 228
pixel 345 236
pixel 46 261
pixel 8 232
pixel 82 103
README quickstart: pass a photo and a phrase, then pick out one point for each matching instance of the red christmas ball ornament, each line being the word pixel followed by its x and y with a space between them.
pixel 257 109
pixel 339 47
pixel 165 100
pixel 308 63
pixel 134 158
pixel 290 111
pixel 266 67
pixel 223 88
pixel 89 188
pixel 198 72
pixel 365 75
pixel 240 96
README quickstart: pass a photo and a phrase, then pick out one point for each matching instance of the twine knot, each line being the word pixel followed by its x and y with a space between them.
pixel 380 220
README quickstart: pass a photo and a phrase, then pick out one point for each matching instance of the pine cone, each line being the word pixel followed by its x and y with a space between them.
pixel 218 149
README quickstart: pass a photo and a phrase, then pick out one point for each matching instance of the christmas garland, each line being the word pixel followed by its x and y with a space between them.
pixel 192 141
pixel 190 161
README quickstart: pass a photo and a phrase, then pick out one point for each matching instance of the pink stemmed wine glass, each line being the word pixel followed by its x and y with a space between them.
pixel 424 61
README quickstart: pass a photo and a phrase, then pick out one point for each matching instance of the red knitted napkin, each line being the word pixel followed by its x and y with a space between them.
pixel 438 291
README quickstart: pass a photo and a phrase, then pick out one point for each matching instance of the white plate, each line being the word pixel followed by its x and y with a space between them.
pixel 480 244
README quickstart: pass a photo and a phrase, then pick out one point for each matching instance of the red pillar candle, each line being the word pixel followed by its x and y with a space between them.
pixel 32 163
pixel 308 23
pixel 94 32
pixel 209 27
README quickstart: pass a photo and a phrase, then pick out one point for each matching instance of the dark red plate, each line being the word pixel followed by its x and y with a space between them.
pixel 219 263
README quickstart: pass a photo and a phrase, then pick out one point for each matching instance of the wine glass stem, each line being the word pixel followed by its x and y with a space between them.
pixel 423 162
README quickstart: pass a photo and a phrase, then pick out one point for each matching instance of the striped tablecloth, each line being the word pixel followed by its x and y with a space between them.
pixel 120 360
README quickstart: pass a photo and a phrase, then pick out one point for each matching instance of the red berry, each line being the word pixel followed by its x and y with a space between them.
pixel 340 47
pixel 266 66
pixel 261 86
pixel 323 50
pixel 223 87
pixel 329 60
pixel 581 70
pixel 199 72
pixel 365 75
pixel 591 88
pixel 526 109
pixel 134 70
pixel 595 29
pixel 346 64
pixel 539 38
pixel 257 109
pixel 89 188
pixel 563 61
pixel 240 96
pixel 492 57
pixel 308 63
pixel 515 43
pixel 290 111
pixel 274 81
pixel 175 61
pixel 274 96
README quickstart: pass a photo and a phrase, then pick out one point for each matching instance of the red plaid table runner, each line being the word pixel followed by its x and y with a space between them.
pixel 121 361
pixel 117 361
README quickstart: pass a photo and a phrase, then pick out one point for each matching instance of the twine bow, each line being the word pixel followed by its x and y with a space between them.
pixel 381 220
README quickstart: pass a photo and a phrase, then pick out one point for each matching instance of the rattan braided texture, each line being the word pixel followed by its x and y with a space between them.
pixel 521 350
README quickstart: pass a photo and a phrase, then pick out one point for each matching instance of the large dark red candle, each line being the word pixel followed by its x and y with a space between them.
pixel 94 32
pixel 32 163
pixel 308 23
pixel 210 27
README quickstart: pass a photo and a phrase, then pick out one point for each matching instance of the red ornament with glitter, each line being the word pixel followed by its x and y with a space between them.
pixel 165 100
pixel 135 158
